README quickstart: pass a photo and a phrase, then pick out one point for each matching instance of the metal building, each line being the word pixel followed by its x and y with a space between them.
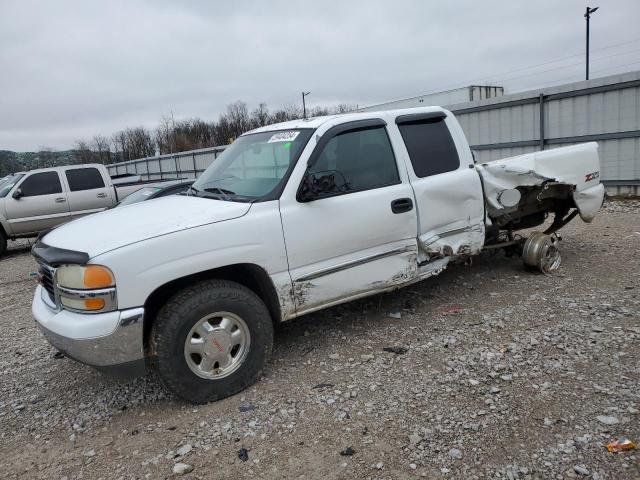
pixel 606 110
pixel 448 97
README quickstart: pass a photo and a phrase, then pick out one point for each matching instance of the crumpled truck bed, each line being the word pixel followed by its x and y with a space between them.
pixel 576 166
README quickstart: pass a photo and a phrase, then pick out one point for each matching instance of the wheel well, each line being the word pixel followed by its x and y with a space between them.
pixel 252 276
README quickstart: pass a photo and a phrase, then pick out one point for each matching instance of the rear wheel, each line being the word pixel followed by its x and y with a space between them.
pixel 542 251
pixel 211 340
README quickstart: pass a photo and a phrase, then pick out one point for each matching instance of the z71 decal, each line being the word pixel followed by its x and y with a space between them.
pixel 591 176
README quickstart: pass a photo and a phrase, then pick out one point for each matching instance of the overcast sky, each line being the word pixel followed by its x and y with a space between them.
pixel 73 69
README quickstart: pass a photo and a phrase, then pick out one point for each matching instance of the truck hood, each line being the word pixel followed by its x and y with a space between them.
pixel 105 231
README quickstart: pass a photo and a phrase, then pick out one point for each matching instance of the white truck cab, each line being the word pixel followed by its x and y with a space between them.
pixel 292 218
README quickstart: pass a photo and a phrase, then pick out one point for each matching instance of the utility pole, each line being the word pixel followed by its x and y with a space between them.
pixel 587 15
pixel 173 134
pixel 304 105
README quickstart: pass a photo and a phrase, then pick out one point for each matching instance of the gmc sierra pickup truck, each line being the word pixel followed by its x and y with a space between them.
pixel 293 218
pixel 38 200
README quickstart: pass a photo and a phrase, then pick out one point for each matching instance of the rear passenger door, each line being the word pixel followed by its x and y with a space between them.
pixel 37 203
pixel 87 191
pixel 447 188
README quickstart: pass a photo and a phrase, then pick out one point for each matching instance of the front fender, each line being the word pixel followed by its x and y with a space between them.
pixel 255 238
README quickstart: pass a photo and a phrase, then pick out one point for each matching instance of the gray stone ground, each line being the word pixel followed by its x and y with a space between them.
pixel 506 374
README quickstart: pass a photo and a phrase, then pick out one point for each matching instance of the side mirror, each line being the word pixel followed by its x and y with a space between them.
pixel 318 185
pixel 17 194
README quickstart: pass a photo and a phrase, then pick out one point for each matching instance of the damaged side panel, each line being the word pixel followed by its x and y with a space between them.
pixel 548 180
pixel 360 276
pixel 463 241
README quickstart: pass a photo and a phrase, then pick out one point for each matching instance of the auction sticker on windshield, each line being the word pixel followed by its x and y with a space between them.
pixel 283 137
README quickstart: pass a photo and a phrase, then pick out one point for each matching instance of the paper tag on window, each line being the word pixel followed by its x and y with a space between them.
pixel 283 137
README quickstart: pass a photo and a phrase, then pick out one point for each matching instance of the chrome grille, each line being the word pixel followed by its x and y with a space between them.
pixel 45 276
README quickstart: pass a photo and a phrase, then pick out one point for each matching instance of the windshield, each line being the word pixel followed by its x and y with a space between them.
pixel 139 195
pixel 7 183
pixel 253 166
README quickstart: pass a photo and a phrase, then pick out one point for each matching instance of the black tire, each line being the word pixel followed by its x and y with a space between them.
pixel 184 310
pixel 3 243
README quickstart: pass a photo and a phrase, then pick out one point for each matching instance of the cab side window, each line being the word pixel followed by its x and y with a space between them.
pixel 45 183
pixel 430 146
pixel 358 160
pixel 84 179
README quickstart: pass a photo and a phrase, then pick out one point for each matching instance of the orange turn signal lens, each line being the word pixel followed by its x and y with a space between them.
pixel 96 276
pixel 94 304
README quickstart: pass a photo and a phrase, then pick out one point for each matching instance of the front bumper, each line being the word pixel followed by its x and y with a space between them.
pixel 111 341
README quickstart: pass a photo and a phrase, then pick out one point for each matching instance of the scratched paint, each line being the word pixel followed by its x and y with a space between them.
pixel 367 278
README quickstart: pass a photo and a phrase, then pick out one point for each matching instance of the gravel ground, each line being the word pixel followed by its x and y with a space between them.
pixel 495 372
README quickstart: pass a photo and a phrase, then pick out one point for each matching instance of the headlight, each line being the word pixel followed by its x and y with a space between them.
pixel 89 276
pixel 86 288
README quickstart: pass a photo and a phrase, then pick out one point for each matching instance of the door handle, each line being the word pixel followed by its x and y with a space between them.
pixel 60 200
pixel 402 205
pixel 102 195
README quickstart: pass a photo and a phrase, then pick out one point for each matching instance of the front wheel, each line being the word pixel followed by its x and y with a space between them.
pixel 211 340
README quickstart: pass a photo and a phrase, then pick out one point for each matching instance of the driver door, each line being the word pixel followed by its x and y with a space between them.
pixel 355 234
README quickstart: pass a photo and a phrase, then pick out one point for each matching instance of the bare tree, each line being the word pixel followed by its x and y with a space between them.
pixel 172 136
pixel 119 141
pixel 344 108
pixel 133 143
pixel 260 116
pixel 289 112
pixel 237 116
pixel 101 148
pixel 139 143
pixel 82 152
pixel 163 135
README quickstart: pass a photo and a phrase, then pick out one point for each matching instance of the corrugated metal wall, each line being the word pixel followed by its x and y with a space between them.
pixel 180 165
pixel 606 110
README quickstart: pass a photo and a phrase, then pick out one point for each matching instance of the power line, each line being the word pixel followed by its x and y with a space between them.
pixel 565 58
pixel 575 77
pixel 571 65
pixel 613 67
pixel 499 75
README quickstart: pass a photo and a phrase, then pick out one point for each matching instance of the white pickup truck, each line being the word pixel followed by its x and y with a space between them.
pixel 293 218
pixel 35 201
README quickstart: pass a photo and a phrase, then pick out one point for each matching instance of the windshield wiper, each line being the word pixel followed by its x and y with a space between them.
pixel 208 194
pixel 223 193
pixel 220 190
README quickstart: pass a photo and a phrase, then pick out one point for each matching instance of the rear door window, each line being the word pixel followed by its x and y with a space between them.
pixel 84 179
pixel 430 146
pixel 45 183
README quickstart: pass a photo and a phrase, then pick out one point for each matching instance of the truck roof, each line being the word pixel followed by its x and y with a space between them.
pixel 316 122
pixel 59 167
